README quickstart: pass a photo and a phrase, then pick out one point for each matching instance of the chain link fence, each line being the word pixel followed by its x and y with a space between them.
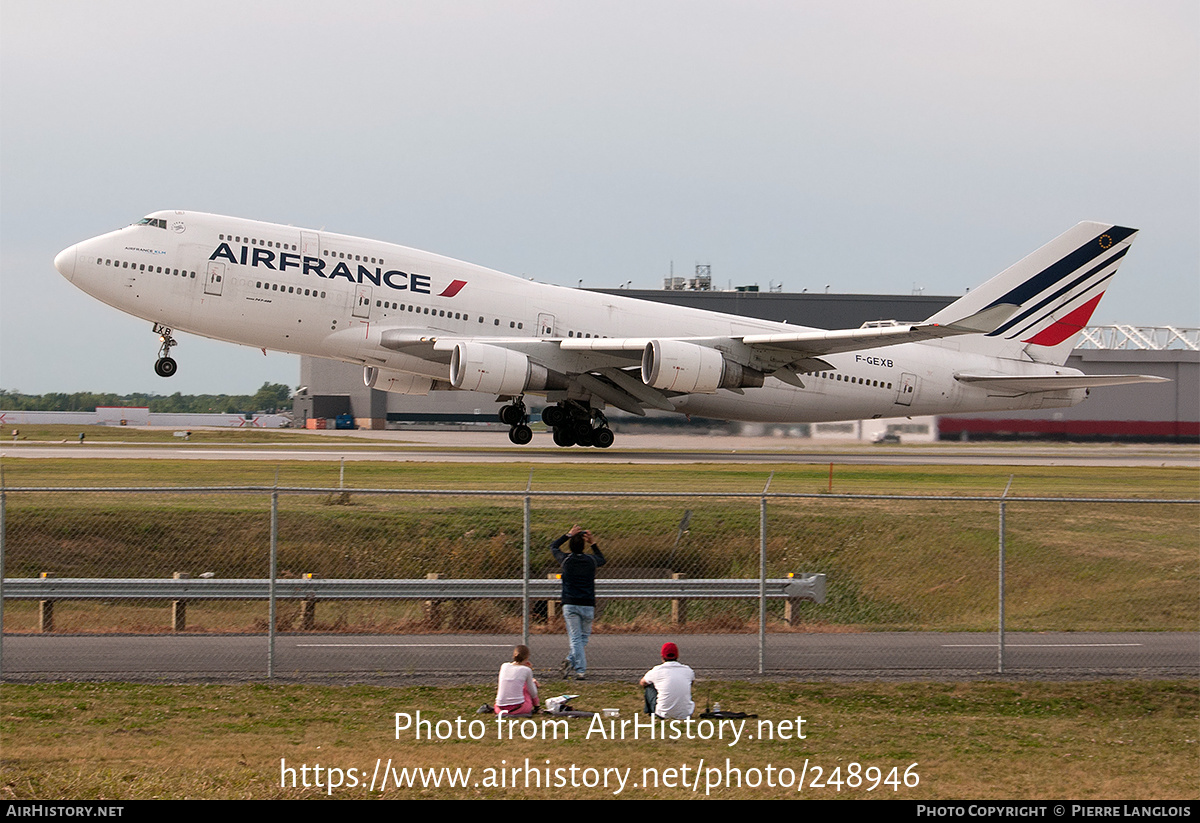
pixel 306 583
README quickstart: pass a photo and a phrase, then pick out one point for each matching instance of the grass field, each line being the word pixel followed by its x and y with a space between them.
pixel 1084 741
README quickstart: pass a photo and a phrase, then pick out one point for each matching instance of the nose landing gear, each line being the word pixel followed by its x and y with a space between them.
pixel 165 366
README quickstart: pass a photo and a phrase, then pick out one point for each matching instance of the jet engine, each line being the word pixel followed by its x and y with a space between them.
pixel 496 370
pixel 400 382
pixel 672 365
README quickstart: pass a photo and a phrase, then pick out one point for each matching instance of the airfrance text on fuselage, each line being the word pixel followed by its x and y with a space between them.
pixel 398 280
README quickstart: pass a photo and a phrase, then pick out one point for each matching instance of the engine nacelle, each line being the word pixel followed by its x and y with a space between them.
pixel 400 382
pixel 672 365
pixel 495 370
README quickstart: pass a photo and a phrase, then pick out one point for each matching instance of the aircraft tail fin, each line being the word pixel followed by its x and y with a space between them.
pixel 1052 293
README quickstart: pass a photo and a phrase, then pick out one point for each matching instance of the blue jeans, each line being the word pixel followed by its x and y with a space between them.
pixel 651 695
pixel 579 629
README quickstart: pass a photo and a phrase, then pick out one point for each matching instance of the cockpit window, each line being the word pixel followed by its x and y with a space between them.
pixel 157 222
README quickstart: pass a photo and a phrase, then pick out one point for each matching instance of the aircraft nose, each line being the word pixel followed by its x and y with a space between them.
pixel 65 262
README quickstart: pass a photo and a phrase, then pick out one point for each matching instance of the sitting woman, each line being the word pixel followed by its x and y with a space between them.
pixel 516 691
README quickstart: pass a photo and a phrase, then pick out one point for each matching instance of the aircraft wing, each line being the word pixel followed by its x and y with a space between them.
pixel 784 354
pixel 795 346
pixel 636 373
pixel 815 343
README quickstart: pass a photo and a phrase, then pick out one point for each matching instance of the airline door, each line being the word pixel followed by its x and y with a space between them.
pixel 214 278
pixel 907 389
pixel 362 302
pixel 545 325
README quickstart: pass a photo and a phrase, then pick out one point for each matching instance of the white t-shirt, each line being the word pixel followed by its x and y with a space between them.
pixel 673 682
pixel 510 688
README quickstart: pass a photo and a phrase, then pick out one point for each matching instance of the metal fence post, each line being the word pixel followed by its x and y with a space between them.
pixel 525 580
pixel 1000 638
pixel 3 506
pixel 271 582
pixel 762 577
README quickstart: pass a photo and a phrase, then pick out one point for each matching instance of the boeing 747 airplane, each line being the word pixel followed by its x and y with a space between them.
pixel 418 322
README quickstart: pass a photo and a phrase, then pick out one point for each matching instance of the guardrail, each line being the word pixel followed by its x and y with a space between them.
pixel 433 590
pixel 809 587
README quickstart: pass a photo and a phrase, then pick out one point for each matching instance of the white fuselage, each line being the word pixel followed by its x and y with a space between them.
pixel 334 296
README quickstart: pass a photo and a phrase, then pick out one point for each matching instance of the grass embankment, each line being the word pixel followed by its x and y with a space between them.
pixel 891 564
pixel 1087 741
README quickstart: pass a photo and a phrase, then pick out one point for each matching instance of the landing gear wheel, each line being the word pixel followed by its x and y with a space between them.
pixel 554 416
pixel 512 415
pixel 520 434
pixel 165 367
pixel 602 438
pixel 563 437
pixel 583 435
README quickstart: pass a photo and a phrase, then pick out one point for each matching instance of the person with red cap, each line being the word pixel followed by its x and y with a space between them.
pixel 669 686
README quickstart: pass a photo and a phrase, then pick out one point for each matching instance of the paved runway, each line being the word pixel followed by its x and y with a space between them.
pixel 493 446
pixel 887 655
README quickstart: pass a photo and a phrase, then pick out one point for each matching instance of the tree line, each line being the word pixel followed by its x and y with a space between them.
pixel 271 397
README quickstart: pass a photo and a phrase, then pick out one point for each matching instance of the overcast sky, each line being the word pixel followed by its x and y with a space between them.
pixel 868 146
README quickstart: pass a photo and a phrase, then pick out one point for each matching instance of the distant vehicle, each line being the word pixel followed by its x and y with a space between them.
pixel 419 322
pixel 887 437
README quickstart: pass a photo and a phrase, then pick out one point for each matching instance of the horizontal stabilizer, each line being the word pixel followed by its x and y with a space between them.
pixel 1055 382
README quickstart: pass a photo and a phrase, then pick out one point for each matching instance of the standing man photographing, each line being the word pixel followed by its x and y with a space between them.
pixel 578 594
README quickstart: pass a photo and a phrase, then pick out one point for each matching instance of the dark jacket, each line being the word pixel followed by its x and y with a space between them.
pixel 578 573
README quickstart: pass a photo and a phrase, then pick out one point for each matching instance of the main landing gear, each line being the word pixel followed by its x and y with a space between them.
pixel 573 423
pixel 165 366
pixel 577 425
pixel 516 416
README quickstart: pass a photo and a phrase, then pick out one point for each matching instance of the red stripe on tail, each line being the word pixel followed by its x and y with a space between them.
pixel 1072 324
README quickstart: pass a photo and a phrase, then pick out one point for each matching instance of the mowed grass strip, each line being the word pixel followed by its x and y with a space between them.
pixel 1089 741
pixel 50 433
pixel 578 474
